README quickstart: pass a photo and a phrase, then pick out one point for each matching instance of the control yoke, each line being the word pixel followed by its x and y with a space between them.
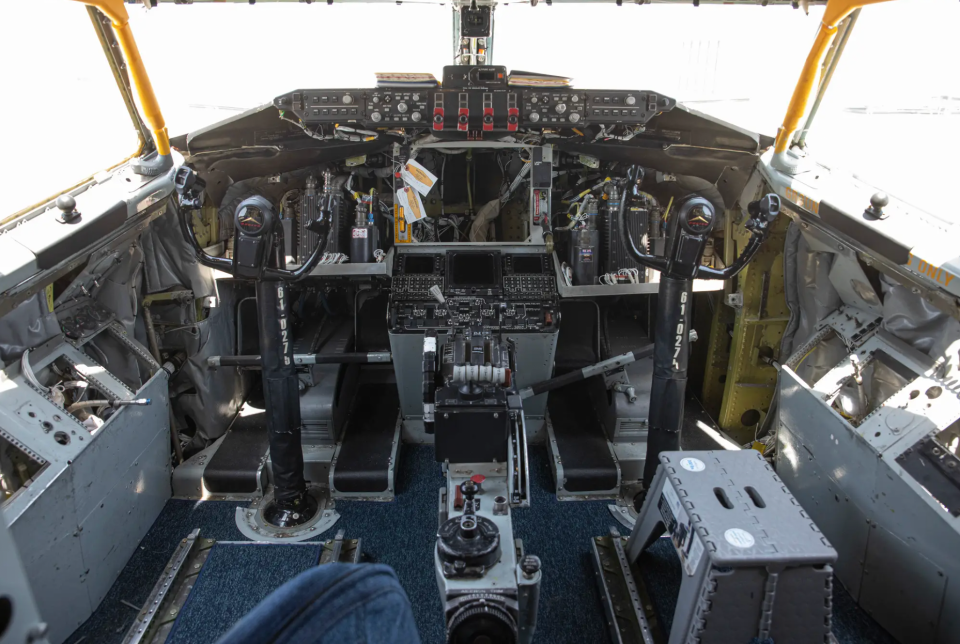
pixel 258 255
pixel 689 226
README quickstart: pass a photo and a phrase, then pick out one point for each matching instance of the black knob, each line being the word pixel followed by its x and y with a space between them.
pixel 438 118
pixel 469 488
pixel 68 208
pixel 66 203
pixel 770 206
pixel 878 202
pixel 767 208
pixel 530 565
pixel 463 118
pixel 488 119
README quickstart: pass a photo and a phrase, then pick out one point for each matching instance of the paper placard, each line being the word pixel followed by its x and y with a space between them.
pixel 410 203
pixel 682 533
pixel 418 177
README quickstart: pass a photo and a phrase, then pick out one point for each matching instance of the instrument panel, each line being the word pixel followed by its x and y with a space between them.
pixel 503 109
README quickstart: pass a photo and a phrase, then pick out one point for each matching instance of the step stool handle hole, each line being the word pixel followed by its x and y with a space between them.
pixel 755 497
pixel 721 495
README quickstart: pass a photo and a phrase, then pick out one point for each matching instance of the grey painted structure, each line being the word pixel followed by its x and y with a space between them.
pixel 85 511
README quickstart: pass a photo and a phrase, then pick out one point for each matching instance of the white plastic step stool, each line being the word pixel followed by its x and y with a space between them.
pixel 754 564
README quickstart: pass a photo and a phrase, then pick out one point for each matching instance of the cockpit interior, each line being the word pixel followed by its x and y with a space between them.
pixel 490 358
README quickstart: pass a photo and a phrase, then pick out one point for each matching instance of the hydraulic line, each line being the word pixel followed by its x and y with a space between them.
pixel 253 361
pixel 107 403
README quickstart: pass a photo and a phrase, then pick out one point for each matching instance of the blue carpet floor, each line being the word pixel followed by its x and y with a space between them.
pixel 402 535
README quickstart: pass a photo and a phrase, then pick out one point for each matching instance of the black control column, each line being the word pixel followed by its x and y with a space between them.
pixel 258 255
pixel 688 228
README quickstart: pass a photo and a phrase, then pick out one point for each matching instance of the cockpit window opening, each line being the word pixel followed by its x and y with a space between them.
pixel 63 119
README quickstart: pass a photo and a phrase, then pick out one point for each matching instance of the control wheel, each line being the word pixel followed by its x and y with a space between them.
pixel 468 545
pixel 292 512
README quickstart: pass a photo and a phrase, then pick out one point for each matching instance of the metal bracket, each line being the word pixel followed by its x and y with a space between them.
pixel 734 300
pixel 161 609
pixel 621 598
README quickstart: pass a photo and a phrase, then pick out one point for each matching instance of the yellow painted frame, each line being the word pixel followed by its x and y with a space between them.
pixel 120 19
pixel 835 12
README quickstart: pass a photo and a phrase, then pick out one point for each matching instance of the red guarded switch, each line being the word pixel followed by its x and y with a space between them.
pixel 488 118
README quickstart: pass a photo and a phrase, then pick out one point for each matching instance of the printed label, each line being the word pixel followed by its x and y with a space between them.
pixel 739 538
pixel 685 539
pixel 359 233
pixel 802 201
pixel 678 345
pixel 429 344
pixel 410 204
pixel 417 177
pixel 692 464
pixel 284 331
pixel 586 255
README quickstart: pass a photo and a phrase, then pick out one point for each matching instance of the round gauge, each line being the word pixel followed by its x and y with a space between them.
pixel 697 217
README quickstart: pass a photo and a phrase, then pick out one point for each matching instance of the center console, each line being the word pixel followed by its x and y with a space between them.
pixel 499 291
pixel 509 293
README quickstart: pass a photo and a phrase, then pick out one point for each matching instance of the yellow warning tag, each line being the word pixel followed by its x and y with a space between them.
pixel 417 177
